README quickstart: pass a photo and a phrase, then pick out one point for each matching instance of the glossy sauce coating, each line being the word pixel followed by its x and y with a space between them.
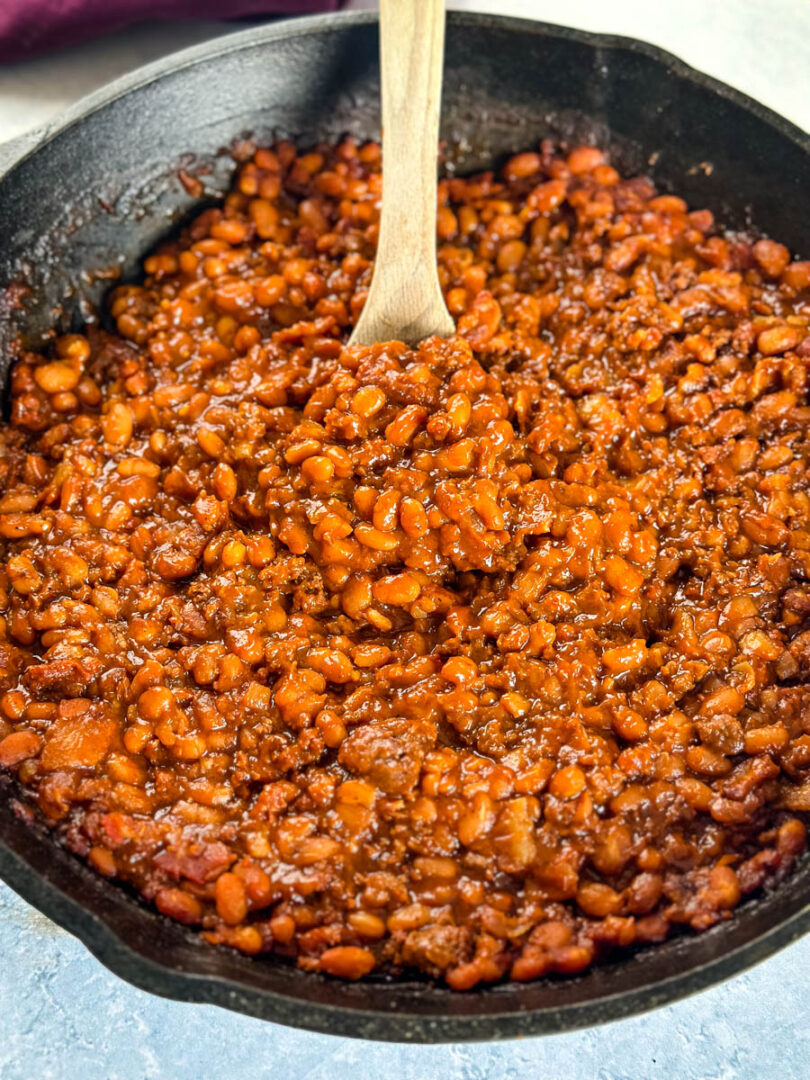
pixel 483 659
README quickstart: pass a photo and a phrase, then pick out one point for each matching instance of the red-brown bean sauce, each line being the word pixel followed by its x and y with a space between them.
pixel 484 658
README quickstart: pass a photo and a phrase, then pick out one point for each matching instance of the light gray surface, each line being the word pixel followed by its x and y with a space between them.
pixel 64 1017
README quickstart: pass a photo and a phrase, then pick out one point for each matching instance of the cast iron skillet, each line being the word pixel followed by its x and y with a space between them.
pixel 100 187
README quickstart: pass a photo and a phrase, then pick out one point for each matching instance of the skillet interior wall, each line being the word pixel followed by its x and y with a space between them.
pixel 104 191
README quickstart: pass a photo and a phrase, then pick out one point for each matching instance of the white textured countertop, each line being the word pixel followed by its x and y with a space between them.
pixel 65 1017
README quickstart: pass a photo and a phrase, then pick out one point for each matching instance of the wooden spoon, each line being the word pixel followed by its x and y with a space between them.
pixel 405 301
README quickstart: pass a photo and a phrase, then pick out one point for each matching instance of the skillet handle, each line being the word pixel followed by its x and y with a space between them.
pixel 14 150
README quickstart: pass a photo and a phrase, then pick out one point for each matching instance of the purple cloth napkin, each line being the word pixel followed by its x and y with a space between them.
pixel 32 26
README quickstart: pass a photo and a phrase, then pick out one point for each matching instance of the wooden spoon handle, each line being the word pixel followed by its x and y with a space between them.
pixel 405 300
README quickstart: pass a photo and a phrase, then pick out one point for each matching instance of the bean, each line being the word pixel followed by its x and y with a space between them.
pixel 778 339
pixel 179 905
pixel 317 469
pixel 118 425
pixel 397 589
pixel 17 747
pixel 567 782
pixel 412 517
pixel 405 425
pixel 231 899
pixel 375 539
pixel 347 961
pixel 57 377
pixel 368 401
